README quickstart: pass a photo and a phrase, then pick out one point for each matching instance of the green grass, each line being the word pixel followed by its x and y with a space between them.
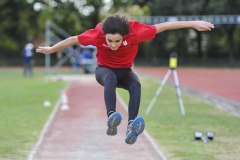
pixel 175 133
pixel 22 115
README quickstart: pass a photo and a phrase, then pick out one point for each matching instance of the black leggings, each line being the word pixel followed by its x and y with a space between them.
pixel 121 78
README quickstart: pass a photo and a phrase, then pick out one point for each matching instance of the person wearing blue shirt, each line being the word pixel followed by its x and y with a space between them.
pixel 27 55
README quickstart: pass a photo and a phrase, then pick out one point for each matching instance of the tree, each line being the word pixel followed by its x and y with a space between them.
pixel 228 8
pixel 18 25
pixel 24 20
pixel 180 39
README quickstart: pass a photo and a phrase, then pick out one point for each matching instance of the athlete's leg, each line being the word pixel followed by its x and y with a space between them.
pixel 130 82
pixel 107 78
pixel 135 95
pixel 136 123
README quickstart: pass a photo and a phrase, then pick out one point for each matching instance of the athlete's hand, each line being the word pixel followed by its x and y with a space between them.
pixel 202 25
pixel 44 50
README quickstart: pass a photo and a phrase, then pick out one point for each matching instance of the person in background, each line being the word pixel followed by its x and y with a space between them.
pixel 27 55
pixel 86 59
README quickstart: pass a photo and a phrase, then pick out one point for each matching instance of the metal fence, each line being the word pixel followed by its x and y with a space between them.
pixel 215 19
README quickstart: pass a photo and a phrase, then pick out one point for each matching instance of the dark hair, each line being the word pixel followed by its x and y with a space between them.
pixel 115 24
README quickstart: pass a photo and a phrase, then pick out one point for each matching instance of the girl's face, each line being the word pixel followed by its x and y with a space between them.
pixel 114 41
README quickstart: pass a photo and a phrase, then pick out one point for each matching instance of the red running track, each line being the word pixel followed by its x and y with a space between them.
pixel 221 82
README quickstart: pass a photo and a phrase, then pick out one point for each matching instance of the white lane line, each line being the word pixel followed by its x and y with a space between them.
pixel 146 134
pixel 32 154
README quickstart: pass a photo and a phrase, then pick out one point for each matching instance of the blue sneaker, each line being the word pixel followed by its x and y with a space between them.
pixel 134 129
pixel 113 121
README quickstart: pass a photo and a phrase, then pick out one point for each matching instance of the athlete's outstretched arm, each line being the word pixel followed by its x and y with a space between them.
pixel 59 46
pixel 198 25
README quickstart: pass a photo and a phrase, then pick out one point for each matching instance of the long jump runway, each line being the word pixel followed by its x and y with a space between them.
pixel 80 132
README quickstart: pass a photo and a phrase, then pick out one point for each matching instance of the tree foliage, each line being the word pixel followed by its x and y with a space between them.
pixel 18 23
pixel 221 43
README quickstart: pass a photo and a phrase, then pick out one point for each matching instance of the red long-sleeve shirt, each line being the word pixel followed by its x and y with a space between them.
pixel 124 56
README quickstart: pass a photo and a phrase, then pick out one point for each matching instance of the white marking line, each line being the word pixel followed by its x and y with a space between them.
pixel 146 134
pixel 32 154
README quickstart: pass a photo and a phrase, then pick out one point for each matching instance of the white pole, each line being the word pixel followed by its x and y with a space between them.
pixel 178 91
pixel 158 91
pixel 47 42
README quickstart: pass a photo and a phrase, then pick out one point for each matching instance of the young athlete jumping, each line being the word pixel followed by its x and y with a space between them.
pixel 117 39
